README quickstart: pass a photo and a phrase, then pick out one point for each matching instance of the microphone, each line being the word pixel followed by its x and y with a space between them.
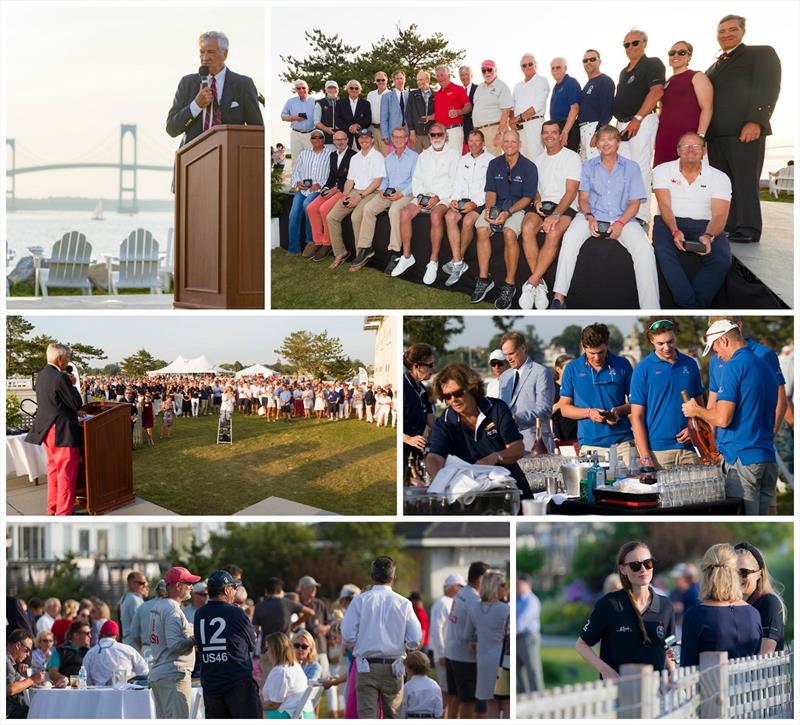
pixel 204 74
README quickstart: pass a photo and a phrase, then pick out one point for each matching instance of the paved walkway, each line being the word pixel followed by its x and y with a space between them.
pixel 275 506
pixel 92 302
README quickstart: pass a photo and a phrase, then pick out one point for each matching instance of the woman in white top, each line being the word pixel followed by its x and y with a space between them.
pixel 381 408
pixel 228 398
pixel 308 401
pixel 286 684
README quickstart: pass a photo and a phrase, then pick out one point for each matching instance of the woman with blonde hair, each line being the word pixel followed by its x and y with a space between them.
pixel 43 647
pixel 286 684
pixel 758 590
pixel 723 621
pixel 305 650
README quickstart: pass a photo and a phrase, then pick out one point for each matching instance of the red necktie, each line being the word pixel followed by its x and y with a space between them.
pixel 722 58
pixel 213 109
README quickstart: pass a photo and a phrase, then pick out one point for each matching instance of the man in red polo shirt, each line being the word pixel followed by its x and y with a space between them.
pixel 450 105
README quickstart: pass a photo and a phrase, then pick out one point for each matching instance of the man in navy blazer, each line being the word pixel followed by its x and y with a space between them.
pixel 194 109
pixel 353 113
pixel 393 115
pixel 528 389
pixel 56 426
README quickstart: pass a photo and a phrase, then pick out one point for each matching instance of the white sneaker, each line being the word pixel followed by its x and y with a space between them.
pixel 527 296
pixel 403 264
pixel 540 296
pixel 430 272
pixel 447 267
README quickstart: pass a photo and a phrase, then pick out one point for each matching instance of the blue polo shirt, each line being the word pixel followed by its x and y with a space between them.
pixel 597 100
pixel 565 93
pixel 749 382
pixel 510 185
pixel 717 363
pixel 610 194
pixel 295 106
pixel 657 385
pixel 605 389
pixel 399 170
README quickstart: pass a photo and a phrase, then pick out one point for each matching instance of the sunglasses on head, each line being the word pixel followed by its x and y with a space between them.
pixel 744 573
pixel 455 394
pixel 677 52
pixel 661 324
pixel 591 59
pixel 634 43
pixel 637 565
pixel 299 645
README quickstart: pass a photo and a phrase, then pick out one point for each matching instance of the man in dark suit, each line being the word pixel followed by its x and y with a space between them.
pixel 56 426
pixel 465 75
pixel 229 97
pixel 353 113
pixel 747 81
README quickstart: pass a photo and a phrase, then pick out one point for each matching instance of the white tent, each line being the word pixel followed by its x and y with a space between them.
pixel 255 370
pixel 186 366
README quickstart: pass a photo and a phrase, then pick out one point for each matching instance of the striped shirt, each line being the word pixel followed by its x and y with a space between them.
pixel 312 166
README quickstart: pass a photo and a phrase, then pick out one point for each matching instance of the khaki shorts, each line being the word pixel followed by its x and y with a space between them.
pixel 514 222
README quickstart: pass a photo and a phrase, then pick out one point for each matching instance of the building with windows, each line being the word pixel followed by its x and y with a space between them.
pixel 385 348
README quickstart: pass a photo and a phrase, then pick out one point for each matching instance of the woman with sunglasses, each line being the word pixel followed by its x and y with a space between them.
pixel 723 621
pixel 758 590
pixel 305 650
pixel 632 623
pixel 419 361
pixel 43 648
pixel 475 428
pixel 286 683
pixel 686 105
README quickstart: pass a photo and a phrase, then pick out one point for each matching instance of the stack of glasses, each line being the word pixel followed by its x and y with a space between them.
pixel 686 485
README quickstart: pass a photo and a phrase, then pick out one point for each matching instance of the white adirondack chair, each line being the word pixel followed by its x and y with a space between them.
pixel 166 257
pixel 138 263
pixel 297 713
pixel 68 265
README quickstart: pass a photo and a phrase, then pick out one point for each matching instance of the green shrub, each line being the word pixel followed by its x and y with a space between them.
pixel 564 618
pixel 13 413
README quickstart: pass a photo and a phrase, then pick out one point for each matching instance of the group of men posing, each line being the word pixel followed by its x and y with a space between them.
pixel 401 151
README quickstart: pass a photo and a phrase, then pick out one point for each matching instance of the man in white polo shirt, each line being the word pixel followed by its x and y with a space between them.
pixel 491 109
pixel 367 170
pixel 693 202
pixel 375 97
pixel 530 102
pixel 555 207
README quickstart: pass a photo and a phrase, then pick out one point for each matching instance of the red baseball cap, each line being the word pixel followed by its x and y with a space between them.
pixel 179 574
pixel 488 64
pixel 109 629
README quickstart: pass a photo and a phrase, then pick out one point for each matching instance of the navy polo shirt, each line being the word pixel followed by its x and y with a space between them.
pixel 494 431
pixel 226 644
pixel 510 185
pixel 749 382
pixel 565 93
pixel 604 390
pixel 657 385
pixel 416 406
pixel 762 351
pixel 597 100
pixel 613 623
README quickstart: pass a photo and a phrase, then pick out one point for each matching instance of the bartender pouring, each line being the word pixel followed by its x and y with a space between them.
pixel 419 362
pixel 56 427
pixel 475 428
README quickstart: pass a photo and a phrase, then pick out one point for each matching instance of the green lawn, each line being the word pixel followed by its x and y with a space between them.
pixel 346 467
pixel 766 195
pixel 564 666
pixel 786 503
pixel 298 283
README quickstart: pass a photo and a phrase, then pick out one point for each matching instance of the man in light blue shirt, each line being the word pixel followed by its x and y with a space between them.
pixel 298 111
pixel 529 658
pixel 610 193
pixel 393 194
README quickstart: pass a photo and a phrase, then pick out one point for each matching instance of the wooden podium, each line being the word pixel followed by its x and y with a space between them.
pixel 105 480
pixel 219 220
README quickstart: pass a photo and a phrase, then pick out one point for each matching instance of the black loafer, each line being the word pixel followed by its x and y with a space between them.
pixel 741 238
pixel 392 262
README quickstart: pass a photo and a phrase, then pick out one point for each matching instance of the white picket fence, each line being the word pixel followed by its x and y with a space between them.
pixel 751 687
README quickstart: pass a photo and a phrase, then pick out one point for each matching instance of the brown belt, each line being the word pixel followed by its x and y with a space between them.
pixel 486 125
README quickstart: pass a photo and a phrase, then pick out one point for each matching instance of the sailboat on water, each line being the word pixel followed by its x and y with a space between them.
pixel 98 212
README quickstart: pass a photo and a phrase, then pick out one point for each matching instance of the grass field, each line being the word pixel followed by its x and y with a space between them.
pixel 298 283
pixel 346 467
pixel 564 666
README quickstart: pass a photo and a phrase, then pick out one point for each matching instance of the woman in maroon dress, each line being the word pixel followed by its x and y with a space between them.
pixel 148 418
pixel 686 105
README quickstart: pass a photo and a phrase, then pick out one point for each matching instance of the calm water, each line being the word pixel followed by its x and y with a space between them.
pixel 43 228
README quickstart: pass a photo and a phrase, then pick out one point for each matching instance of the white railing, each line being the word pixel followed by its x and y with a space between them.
pixel 18 383
pixel 751 687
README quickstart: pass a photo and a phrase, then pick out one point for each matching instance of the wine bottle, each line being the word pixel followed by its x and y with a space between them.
pixel 539 448
pixel 702 438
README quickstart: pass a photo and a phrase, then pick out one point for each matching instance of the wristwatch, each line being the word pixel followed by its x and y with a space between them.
pixel 638 117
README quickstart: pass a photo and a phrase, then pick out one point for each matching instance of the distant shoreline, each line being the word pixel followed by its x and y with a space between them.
pixel 71 203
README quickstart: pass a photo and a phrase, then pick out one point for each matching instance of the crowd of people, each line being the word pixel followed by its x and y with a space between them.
pixel 695 139
pixel 369 652
pixel 600 400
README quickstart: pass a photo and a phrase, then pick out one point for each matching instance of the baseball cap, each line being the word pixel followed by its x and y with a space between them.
pixel 307 581
pixel 200 587
pixel 221 578
pixel 496 355
pixel 179 574
pixel 488 64
pixel 717 330
pixel 331 84
pixel 109 629
pixel 317 132
pixel 349 591
pixel 365 132
pixel 455 579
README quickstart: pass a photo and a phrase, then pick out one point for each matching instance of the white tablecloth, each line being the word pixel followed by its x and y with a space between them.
pixel 25 459
pixel 97 703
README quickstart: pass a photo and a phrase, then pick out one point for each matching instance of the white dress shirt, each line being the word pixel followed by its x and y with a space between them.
pixel 471 177
pixel 421 696
pixel 45 622
pixel 435 173
pixel 108 655
pixel 532 93
pixel 365 169
pixel 374 98
pixel 440 613
pixel 380 623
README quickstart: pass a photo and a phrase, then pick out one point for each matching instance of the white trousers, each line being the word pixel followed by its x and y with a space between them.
pixel 635 242
pixel 640 149
pixel 455 138
pixel 531 138
pixel 587 131
pixel 298 142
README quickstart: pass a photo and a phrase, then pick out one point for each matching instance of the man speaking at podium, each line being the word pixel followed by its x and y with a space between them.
pixel 56 426
pixel 213 96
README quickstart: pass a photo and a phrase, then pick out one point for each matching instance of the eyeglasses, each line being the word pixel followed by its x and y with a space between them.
pixel 25 647
pixel 298 645
pixel 523 65
pixel 300 88
pixel 691 146
pixel 86 632
pixel 590 60
pixel 436 135
pixel 486 70
pixel 681 53
pixel 556 67
pixel 637 565
pixel 744 573
pixel 455 394
pixel 497 363
pixel 142 583
pixel 380 80
pixel 353 88
pixel 659 324
pixel 205 594
pixel 634 43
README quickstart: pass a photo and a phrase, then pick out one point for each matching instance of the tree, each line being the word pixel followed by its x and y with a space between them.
pixel 533 342
pixel 341 368
pixel 17 346
pixel 233 367
pixel 436 330
pixel 310 353
pixel 505 323
pixel 570 339
pixel 330 57
pixel 140 362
